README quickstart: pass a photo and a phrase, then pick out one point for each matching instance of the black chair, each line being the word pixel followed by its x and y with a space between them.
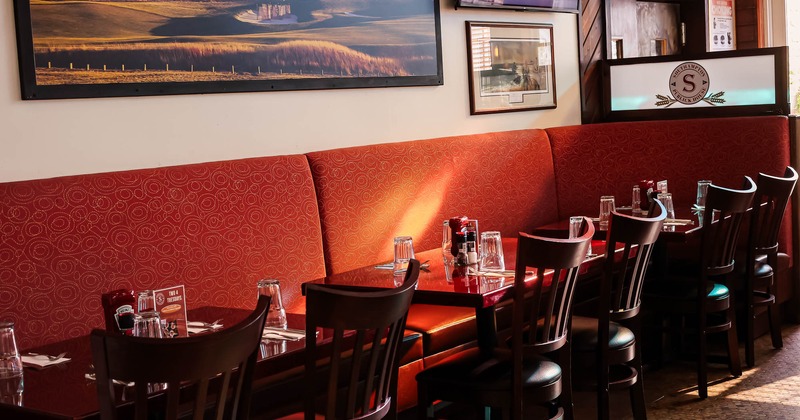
pixel 702 292
pixel 357 376
pixel 179 362
pixel 510 378
pixel 761 259
pixel 609 341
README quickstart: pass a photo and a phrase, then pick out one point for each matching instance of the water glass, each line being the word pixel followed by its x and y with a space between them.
pixel 11 376
pixel 146 301
pixel 492 258
pixel 666 200
pixel 403 252
pixel 636 200
pixel 702 192
pixel 447 243
pixel 575 225
pixel 276 315
pixel 148 324
pixel 606 207
pixel 661 186
pixel 269 348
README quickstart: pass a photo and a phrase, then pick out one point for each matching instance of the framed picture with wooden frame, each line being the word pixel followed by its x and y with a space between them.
pixel 511 67
pixel 84 48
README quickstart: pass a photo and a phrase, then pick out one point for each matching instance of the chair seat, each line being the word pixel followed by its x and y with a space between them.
pixel 584 335
pixel 471 370
pixel 686 290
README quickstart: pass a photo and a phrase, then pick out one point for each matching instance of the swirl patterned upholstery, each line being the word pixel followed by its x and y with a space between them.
pixel 600 159
pixel 370 194
pixel 218 227
pixel 214 227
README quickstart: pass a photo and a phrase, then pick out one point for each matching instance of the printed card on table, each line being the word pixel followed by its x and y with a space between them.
pixel 171 306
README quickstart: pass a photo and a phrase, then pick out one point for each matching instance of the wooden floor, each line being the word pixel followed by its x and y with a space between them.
pixel 770 390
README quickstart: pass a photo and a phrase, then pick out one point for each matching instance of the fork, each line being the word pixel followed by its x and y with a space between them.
pixel 211 324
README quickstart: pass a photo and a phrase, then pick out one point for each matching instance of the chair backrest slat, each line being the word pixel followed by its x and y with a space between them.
pixel 769 206
pixel 367 332
pixel 722 219
pixel 189 361
pixel 549 295
pixel 623 276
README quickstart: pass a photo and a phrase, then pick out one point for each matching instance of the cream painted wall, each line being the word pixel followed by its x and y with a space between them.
pixel 42 139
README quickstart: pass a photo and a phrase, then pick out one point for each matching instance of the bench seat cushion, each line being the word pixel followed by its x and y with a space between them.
pixel 216 228
pixel 608 159
pixel 371 194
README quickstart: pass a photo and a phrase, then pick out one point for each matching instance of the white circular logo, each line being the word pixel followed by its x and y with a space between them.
pixel 689 83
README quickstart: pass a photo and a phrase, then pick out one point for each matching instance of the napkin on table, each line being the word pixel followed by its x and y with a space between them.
pixel 195 327
pixel 40 361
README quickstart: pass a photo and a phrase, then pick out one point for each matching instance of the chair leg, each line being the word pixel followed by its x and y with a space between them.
pixel 423 405
pixel 638 406
pixel 775 325
pixel 702 372
pixel 734 363
pixel 565 362
pixel 749 343
pixel 603 407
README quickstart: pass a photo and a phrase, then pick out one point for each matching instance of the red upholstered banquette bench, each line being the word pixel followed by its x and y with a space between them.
pixel 219 227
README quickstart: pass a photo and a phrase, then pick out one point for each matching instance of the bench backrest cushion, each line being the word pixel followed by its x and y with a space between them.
pixel 214 227
pixel 370 194
pixel 608 159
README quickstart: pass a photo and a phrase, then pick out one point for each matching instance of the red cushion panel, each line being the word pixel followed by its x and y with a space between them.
pixel 370 194
pixel 442 327
pixel 600 159
pixel 216 228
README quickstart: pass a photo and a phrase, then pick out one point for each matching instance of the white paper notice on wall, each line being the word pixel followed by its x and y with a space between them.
pixel 718 82
pixel 544 55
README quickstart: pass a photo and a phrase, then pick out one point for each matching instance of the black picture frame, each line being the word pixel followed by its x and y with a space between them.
pixel 421 18
pixel 511 67
pixel 564 6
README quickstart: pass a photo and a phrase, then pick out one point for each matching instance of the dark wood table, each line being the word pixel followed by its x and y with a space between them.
pixel 473 291
pixel 63 392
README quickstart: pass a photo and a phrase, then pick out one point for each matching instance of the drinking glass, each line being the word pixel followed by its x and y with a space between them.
pixel 700 204
pixel 575 225
pixel 661 186
pixel 492 258
pixel 269 348
pixel 146 301
pixel 606 207
pixel 403 252
pixel 666 200
pixel 447 243
pixel 11 377
pixel 636 200
pixel 148 324
pixel 276 315
pixel 702 192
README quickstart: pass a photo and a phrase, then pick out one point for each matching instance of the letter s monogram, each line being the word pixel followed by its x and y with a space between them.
pixel 687 79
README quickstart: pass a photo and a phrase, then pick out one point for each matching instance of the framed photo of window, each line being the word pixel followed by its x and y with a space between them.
pixel 511 67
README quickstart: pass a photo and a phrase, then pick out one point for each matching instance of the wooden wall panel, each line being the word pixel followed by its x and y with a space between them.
pixel 592 49
pixel 747 24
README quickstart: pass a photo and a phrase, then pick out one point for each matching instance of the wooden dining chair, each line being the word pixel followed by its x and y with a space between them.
pixel 609 341
pixel 358 378
pixel 703 290
pixel 511 377
pixel 190 366
pixel 769 206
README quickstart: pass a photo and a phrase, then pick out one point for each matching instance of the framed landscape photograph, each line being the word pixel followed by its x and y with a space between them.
pixel 511 67
pixel 90 48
